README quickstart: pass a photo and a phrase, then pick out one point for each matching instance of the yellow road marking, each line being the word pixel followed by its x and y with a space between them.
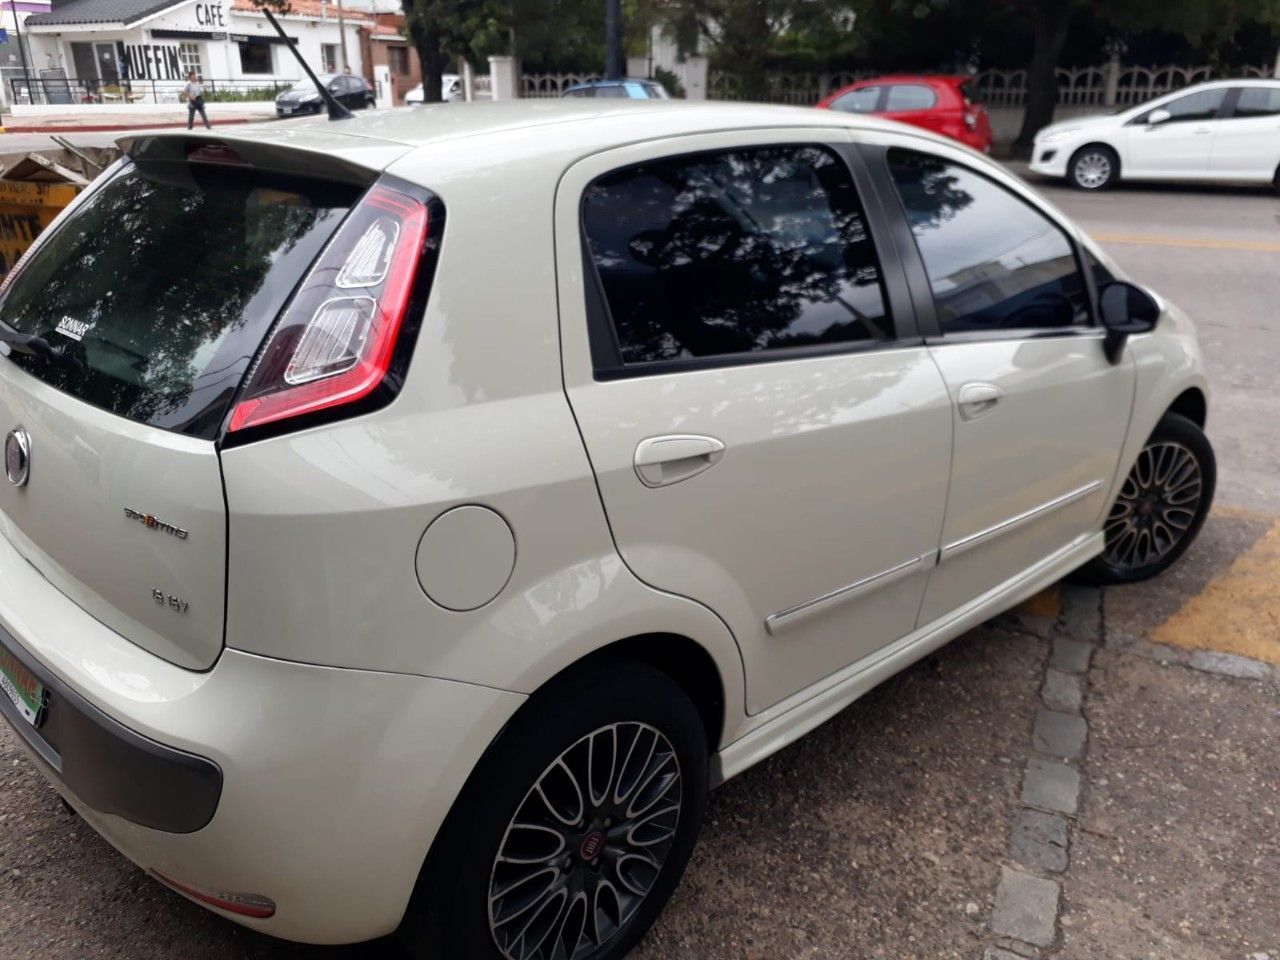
pixel 1205 243
pixel 1239 610
pixel 1046 603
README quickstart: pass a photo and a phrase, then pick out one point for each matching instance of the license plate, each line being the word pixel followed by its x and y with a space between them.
pixel 21 687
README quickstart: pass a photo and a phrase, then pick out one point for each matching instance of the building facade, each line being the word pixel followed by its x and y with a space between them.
pixel 391 62
pixel 142 50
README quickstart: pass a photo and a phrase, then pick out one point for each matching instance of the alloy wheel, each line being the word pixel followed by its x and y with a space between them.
pixel 586 844
pixel 1156 508
pixel 1092 170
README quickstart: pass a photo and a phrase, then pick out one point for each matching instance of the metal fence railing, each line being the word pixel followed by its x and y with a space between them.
pixel 59 90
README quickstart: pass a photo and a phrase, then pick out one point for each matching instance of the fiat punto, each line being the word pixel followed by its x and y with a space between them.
pixel 409 519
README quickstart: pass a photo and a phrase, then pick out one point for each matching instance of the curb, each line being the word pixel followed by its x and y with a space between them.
pixel 108 127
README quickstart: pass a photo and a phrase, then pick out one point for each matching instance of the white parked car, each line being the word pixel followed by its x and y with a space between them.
pixel 420 560
pixel 1226 130
pixel 450 90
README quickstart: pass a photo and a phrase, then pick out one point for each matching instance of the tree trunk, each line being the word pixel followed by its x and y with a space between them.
pixel 426 41
pixel 1050 33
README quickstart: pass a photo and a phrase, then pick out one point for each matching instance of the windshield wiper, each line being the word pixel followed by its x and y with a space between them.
pixel 34 345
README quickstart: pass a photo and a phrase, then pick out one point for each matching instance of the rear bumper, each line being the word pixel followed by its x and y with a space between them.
pixel 110 767
pixel 333 782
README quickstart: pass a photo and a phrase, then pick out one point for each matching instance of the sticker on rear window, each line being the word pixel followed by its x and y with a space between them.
pixel 73 328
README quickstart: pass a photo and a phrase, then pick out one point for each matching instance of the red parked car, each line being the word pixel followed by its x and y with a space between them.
pixel 943 104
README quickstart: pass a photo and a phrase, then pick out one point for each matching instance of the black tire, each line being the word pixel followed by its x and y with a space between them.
pixel 450 915
pixel 1094 166
pixel 1161 507
pixel 1275 181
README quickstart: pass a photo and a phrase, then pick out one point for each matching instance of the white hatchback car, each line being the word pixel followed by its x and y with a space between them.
pixel 409 519
pixel 1227 130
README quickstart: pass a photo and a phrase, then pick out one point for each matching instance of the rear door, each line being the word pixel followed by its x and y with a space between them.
pixel 1247 145
pixel 916 104
pixel 1040 414
pixel 769 436
pixel 152 295
pixel 1179 147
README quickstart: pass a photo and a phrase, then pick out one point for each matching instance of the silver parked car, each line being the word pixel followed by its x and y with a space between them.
pixel 410 519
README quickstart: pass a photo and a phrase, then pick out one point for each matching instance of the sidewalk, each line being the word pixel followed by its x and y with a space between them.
pixel 76 118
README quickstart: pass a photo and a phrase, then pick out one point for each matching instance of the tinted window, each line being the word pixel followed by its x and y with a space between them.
pixel 580 92
pixel 863 100
pixel 993 261
pixel 910 96
pixel 617 90
pixel 1202 105
pixel 158 290
pixel 1258 102
pixel 734 252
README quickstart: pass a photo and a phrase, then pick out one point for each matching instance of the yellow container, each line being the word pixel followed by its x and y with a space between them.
pixel 26 208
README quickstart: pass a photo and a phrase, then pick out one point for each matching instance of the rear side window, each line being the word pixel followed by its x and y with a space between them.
pixel 910 96
pixel 862 100
pixel 994 262
pixel 733 253
pixel 159 289
pixel 1258 102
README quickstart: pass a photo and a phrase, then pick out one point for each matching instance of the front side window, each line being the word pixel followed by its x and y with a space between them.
pixel 910 96
pixel 1258 102
pixel 994 262
pixel 735 252
pixel 862 100
pixel 1202 105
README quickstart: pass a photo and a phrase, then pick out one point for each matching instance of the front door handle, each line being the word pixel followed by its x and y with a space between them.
pixel 665 460
pixel 977 399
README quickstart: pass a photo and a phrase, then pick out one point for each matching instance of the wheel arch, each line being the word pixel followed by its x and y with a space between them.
pixel 1192 404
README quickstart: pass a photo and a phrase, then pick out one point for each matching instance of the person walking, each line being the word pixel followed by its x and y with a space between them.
pixel 193 93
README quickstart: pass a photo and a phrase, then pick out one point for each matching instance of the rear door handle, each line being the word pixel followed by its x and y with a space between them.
pixel 977 399
pixel 665 460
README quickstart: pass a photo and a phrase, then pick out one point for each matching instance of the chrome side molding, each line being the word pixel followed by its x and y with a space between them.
pixel 785 618
pixel 1013 523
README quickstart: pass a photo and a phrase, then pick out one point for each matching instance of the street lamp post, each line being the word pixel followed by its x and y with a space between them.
pixel 22 50
pixel 613 66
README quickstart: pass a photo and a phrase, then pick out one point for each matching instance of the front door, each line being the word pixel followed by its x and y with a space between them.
pixel 1179 146
pixel 763 441
pixel 1040 414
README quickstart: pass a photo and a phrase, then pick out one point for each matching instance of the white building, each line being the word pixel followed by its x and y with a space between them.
pixel 142 50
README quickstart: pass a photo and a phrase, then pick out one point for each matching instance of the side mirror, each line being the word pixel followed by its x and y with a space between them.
pixel 1158 116
pixel 1126 309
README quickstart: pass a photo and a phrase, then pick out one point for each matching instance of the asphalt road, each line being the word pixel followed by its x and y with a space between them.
pixel 886 832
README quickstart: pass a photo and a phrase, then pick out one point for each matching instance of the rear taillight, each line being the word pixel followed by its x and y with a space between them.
pixel 334 342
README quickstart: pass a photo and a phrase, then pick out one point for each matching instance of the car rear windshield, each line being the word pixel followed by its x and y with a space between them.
pixel 157 291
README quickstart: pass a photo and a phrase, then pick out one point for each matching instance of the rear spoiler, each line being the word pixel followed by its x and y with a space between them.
pixel 325 154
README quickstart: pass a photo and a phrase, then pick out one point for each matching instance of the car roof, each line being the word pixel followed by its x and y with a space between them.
pixel 554 132
pixel 598 124
pixel 952 79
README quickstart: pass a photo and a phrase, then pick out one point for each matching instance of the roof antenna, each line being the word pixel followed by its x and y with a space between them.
pixel 336 110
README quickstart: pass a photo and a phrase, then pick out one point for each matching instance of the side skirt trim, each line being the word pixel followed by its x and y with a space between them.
pixel 964 544
pixel 797 715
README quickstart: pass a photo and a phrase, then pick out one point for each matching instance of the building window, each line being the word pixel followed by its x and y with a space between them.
pixel 255 58
pixel 329 58
pixel 398 59
pixel 189 54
